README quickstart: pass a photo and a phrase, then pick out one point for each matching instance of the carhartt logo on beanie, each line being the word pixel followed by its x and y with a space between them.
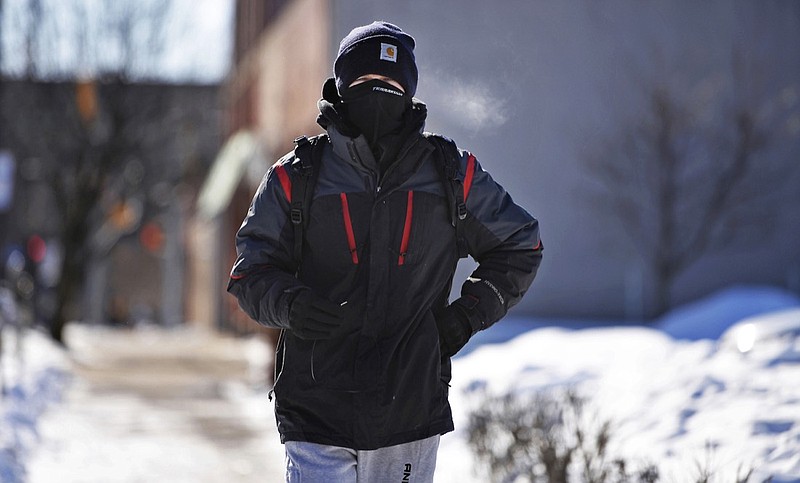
pixel 378 48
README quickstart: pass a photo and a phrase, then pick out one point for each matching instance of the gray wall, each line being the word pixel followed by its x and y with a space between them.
pixel 531 87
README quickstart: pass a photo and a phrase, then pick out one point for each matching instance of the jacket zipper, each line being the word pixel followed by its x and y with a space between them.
pixel 400 156
pixel 401 260
pixel 348 226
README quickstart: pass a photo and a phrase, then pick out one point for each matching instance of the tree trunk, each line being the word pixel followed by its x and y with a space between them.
pixel 68 285
pixel 665 272
pixel 74 238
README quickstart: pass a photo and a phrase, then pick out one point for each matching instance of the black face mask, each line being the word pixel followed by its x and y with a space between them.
pixel 376 108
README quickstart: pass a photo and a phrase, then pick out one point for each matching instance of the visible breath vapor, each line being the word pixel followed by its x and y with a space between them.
pixel 470 104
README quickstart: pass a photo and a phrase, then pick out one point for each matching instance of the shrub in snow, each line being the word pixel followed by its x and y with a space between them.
pixel 552 437
pixel 547 437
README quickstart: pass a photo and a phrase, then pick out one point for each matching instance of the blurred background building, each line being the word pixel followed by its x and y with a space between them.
pixel 281 51
pixel 657 143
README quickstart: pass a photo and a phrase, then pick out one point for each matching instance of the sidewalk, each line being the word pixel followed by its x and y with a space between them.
pixel 155 405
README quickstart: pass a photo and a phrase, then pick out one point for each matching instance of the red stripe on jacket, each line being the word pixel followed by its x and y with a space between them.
pixel 348 226
pixel 286 182
pixel 468 177
pixel 406 228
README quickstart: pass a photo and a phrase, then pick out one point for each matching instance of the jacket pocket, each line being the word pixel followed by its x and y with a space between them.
pixel 333 234
pixel 332 364
pixel 421 228
pixel 401 259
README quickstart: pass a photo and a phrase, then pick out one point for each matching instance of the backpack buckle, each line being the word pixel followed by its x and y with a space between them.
pixel 296 216
pixel 462 211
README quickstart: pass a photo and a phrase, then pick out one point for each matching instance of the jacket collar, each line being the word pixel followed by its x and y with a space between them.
pixel 355 150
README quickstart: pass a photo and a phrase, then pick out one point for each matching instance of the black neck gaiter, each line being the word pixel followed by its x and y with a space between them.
pixel 377 109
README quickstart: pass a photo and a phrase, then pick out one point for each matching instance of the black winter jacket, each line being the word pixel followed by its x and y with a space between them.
pixel 388 248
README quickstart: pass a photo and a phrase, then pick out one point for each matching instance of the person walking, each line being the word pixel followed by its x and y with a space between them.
pixel 357 272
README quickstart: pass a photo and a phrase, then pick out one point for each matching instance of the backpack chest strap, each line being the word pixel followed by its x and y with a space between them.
pixel 448 164
pixel 307 153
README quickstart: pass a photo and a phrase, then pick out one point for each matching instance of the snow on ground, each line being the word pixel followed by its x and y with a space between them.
pixel 672 390
pixel 669 398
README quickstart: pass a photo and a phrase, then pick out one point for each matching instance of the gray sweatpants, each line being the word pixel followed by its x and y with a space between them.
pixel 409 462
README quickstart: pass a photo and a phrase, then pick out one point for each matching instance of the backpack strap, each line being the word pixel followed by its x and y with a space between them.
pixel 448 165
pixel 307 154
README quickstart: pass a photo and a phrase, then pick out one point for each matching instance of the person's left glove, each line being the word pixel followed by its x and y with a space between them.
pixel 455 329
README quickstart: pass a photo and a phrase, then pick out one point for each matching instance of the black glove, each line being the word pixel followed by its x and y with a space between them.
pixel 454 327
pixel 313 317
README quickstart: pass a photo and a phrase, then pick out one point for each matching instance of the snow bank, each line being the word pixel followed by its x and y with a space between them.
pixel 35 378
pixel 678 402
pixel 710 317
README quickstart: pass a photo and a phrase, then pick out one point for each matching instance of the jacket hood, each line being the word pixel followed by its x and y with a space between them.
pixel 329 111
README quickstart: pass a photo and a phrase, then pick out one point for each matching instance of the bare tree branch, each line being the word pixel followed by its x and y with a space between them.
pixel 683 182
pixel 91 131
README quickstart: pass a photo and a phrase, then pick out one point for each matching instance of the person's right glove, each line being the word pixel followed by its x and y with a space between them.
pixel 313 317
pixel 454 326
